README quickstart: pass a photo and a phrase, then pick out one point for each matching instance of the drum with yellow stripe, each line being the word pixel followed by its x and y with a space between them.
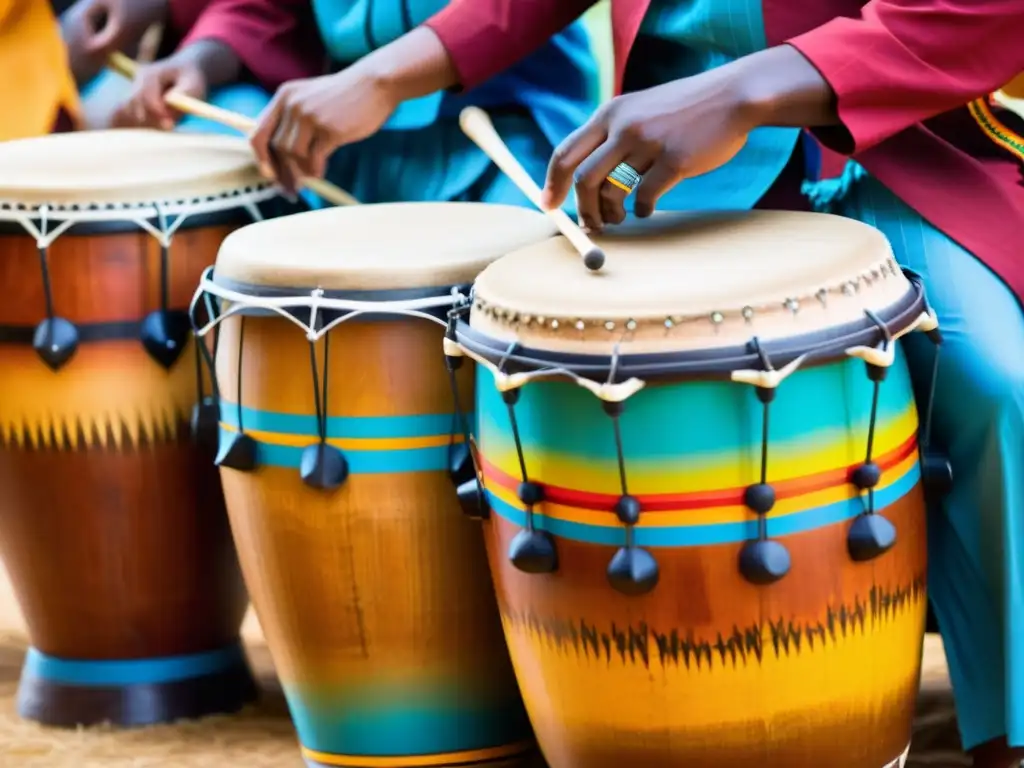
pixel 338 444
pixel 112 521
pixel 703 491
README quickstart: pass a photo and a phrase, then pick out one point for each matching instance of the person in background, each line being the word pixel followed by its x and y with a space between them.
pixel 37 91
pixel 418 152
pixel 94 29
pixel 743 103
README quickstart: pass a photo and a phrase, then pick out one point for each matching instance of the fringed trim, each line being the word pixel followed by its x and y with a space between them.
pixel 825 194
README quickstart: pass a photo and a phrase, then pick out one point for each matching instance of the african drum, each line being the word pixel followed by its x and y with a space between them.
pixel 112 523
pixel 338 448
pixel 706 522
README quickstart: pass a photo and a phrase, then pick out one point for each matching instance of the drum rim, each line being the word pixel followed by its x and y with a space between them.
pixel 302 295
pixel 819 346
pixel 92 218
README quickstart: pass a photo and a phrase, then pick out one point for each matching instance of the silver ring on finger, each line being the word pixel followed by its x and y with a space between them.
pixel 625 177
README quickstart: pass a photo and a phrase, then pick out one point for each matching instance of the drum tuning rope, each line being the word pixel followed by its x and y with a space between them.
pixel 55 339
pixel 531 551
pixel 937 471
pixel 205 422
pixel 468 489
pixel 632 570
pixel 871 534
pixel 239 450
pixel 322 465
pixel 763 561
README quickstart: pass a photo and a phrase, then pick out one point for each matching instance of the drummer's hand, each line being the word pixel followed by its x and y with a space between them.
pixel 93 29
pixel 309 119
pixel 684 128
pixel 146 107
pixel 680 129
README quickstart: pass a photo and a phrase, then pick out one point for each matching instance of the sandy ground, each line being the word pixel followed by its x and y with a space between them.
pixel 262 737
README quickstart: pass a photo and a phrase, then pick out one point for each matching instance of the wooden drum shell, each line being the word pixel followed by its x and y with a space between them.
pixel 374 596
pixel 112 523
pixel 709 670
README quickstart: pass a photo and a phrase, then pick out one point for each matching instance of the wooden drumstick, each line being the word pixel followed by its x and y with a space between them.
pixel 190 105
pixel 478 126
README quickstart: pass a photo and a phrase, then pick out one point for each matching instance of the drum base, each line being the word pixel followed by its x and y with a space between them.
pixel 511 756
pixel 67 693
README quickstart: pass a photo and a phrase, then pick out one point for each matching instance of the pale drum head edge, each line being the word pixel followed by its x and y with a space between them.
pixel 124 167
pixel 386 246
pixel 685 282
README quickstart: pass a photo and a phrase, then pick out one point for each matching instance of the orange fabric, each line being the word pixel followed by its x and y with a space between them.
pixel 36 83
pixel 1015 88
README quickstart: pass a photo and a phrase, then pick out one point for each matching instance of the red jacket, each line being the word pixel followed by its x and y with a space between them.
pixel 277 40
pixel 902 71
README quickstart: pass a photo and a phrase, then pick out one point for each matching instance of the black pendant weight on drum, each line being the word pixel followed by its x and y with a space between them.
pixel 632 570
pixel 872 535
pixel 55 339
pixel 462 465
pixel 762 560
pixel 322 466
pixel 165 332
pixel 531 550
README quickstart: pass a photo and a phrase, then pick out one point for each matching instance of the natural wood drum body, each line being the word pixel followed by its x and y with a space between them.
pixel 112 523
pixel 374 595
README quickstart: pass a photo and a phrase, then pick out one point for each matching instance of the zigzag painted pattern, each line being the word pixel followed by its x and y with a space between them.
pixel 109 396
pixel 738 646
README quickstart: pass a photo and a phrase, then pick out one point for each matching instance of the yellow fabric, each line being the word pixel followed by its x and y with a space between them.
pixel 36 81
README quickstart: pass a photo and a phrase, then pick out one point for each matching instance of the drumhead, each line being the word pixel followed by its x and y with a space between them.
pixel 123 168
pixel 389 246
pixel 682 282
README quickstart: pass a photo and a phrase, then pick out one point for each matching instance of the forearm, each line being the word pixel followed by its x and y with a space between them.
pixel 414 65
pixel 273 41
pixel 218 61
pixel 780 87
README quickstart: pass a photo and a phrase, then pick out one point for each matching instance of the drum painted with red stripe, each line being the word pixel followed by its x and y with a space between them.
pixel 700 562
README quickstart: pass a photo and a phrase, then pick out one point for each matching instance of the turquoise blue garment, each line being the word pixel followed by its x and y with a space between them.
pixel 976 536
pixel 682 38
pixel 422 154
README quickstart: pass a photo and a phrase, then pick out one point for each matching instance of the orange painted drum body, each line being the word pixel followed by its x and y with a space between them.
pixel 338 447
pixel 687 570
pixel 112 522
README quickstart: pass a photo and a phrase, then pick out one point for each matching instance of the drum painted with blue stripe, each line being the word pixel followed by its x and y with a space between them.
pixel 112 520
pixel 706 519
pixel 338 443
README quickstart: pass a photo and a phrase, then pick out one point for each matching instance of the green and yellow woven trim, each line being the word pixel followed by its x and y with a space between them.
pixel 995 129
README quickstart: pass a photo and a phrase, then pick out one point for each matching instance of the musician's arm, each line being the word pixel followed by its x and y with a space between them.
pixel 274 40
pixel 904 61
pixel 485 37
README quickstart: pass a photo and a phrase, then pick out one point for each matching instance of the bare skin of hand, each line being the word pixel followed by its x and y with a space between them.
pixel 309 119
pixel 682 129
pixel 191 71
pixel 93 29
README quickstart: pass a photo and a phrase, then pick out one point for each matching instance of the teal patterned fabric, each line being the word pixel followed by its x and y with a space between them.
pixel 422 154
pixel 682 38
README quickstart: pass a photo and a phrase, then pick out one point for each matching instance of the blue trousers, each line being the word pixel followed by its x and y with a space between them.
pixel 976 534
